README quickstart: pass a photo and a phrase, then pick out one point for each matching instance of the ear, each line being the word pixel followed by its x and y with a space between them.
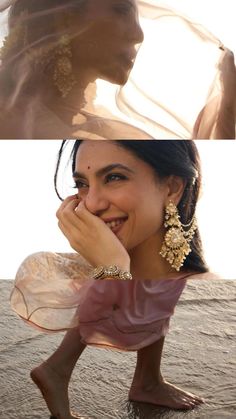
pixel 175 189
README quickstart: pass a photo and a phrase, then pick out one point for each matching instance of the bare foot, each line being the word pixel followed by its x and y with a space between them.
pixel 54 388
pixel 164 394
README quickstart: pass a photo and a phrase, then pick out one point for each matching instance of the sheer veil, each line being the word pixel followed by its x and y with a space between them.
pixel 177 82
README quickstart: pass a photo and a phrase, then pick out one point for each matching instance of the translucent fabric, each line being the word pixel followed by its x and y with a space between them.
pixel 71 69
pixel 55 292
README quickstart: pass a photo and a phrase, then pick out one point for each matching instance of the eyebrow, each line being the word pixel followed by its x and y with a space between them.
pixel 104 170
pixel 129 2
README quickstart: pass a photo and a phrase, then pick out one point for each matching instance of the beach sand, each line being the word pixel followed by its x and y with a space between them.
pixel 199 356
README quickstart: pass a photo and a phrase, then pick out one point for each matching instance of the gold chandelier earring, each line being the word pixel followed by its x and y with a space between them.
pixel 175 247
pixel 63 75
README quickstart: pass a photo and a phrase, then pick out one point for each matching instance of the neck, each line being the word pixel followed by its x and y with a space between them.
pixel 146 262
pixel 78 101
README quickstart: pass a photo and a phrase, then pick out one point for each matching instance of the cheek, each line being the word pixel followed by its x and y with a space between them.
pixel 145 220
pixel 124 201
pixel 149 217
pixel 102 36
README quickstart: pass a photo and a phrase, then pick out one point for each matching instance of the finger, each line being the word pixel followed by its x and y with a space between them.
pixel 227 59
pixel 64 229
pixel 81 211
pixel 69 218
pixel 70 233
pixel 69 198
pixel 65 203
pixel 84 214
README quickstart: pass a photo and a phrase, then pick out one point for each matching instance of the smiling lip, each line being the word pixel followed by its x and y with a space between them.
pixel 116 228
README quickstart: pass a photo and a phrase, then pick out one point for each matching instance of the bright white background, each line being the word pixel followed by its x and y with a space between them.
pixel 217 15
pixel 28 203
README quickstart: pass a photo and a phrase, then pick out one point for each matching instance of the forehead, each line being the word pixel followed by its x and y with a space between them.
pixel 94 155
pixel 101 151
pixel 94 159
pixel 97 154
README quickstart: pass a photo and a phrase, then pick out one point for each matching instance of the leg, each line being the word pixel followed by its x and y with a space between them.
pixel 53 376
pixel 149 386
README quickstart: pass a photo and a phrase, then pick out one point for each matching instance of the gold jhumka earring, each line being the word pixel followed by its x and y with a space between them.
pixel 63 76
pixel 175 247
pixel 59 58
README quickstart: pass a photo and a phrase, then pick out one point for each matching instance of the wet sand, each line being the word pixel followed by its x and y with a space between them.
pixel 199 356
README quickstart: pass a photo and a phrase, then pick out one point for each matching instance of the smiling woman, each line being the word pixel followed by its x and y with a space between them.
pixel 99 184
pixel 133 227
pixel 70 69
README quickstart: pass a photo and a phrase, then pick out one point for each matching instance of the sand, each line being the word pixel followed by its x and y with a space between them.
pixel 199 356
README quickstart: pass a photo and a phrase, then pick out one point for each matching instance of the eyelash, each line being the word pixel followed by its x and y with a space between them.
pixel 78 184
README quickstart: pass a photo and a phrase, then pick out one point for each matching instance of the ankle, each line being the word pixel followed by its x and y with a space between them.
pixel 60 371
pixel 147 381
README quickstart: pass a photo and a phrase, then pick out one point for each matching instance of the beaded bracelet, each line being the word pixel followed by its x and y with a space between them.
pixel 112 272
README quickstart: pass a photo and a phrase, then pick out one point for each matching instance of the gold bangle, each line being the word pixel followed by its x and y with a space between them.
pixel 111 272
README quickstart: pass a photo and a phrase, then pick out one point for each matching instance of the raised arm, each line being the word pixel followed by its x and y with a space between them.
pixel 217 119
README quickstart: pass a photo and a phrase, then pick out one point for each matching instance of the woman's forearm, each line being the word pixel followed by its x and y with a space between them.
pixel 225 124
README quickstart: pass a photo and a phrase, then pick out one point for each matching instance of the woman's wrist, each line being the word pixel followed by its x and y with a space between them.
pixel 123 262
pixel 116 268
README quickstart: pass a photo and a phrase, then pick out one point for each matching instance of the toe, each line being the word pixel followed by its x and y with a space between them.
pixel 186 405
pixel 198 400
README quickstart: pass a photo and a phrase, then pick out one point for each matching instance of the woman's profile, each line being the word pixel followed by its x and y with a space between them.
pixel 133 228
pixel 59 49
pixel 56 53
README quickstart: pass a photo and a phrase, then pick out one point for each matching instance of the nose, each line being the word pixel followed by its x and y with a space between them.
pixel 96 202
pixel 135 31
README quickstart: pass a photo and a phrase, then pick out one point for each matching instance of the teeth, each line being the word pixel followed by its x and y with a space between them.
pixel 113 224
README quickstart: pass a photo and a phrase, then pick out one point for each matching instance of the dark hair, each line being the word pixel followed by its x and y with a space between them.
pixel 37 19
pixel 166 157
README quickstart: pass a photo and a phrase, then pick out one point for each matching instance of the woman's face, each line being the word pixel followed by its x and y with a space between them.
pixel 122 190
pixel 106 40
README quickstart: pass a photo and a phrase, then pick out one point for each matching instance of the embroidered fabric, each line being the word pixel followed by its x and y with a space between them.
pixel 181 84
pixel 54 292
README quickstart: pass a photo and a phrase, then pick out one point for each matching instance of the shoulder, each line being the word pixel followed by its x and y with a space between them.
pixel 58 265
pixel 97 128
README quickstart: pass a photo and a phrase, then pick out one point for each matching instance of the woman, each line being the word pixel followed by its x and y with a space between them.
pixel 60 48
pixel 56 51
pixel 126 213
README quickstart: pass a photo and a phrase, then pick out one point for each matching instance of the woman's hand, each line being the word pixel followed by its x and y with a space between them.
pixel 228 78
pixel 90 236
pixel 217 119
